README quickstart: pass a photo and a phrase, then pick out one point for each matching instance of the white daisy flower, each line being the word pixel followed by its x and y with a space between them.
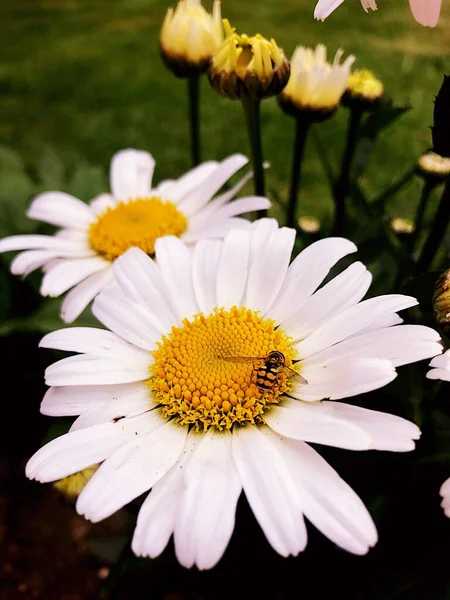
pixel 171 398
pixel 81 254
pixel 441 370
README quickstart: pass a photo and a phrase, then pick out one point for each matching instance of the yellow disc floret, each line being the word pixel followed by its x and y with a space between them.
pixel 206 372
pixel 137 223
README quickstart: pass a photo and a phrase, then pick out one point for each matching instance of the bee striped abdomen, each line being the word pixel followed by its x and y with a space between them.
pixel 266 377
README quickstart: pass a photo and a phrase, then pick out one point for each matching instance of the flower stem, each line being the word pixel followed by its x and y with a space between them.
pixel 301 131
pixel 428 187
pixel 194 116
pixel 252 110
pixel 343 185
pixel 437 232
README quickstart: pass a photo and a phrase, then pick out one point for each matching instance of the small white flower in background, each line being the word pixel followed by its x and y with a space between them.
pixel 314 84
pixel 171 398
pixel 441 370
pixel 426 12
pixel 80 255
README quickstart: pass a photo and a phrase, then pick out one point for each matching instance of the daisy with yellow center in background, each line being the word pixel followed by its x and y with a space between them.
pixel 426 12
pixel 93 236
pixel 216 368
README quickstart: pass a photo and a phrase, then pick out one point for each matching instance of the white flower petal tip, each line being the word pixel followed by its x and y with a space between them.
pixel 131 174
pixel 445 493
pixel 440 367
pixel 427 12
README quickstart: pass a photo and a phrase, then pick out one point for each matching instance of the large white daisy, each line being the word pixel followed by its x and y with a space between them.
pixel 441 370
pixel 168 401
pixel 94 235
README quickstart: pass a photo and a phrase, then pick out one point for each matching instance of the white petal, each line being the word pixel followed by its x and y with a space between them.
pixel 270 489
pixel 205 265
pixel 127 319
pixel 141 280
pixel 116 409
pixel 307 422
pixel 200 196
pixel 243 205
pixel 156 519
pixel 101 203
pixel 324 8
pixel 60 209
pixel 206 513
pixel 267 270
pixel 30 260
pixel 92 341
pixel 306 273
pixel 89 369
pixel 191 180
pixel 327 501
pixel 69 272
pixel 131 174
pixel 401 345
pixel 387 321
pixel 44 242
pixel 131 471
pixel 175 262
pixel 79 297
pixel 343 378
pixel 347 289
pixel 232 270
pixel 442 361
pixel 442 374
pixel 77 450
pixel 215 229
pixel 352 320
pixel 73 400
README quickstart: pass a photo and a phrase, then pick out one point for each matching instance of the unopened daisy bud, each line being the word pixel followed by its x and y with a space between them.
pixel 364 90
pixel 433 167
pixel 441 302
pixel 72 486
pixel 190 36
pixel 402 225
pixel 309 224
pixel 315 87
pixel 247 66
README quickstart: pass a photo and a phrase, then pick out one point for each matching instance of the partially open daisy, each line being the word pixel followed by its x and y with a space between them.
pixel 180 396
pixel 93 236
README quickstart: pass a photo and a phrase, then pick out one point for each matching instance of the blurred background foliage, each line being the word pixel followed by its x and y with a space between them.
pixel 81 79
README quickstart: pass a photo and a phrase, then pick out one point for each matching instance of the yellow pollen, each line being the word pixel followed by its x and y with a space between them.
pixel 197 384
pixel 137 223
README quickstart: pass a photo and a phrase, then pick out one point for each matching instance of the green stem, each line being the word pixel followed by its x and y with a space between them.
pixel 437 232
pixel 301 131
pixel 343 184
pixel 428 187
pixel 194 116
pixel 252 110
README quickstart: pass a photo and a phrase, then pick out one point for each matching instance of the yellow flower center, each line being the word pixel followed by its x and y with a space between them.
pixel 212 371
pixel 137 223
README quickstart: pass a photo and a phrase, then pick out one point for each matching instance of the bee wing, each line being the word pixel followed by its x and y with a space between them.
pixel 242 359
pixel 291 374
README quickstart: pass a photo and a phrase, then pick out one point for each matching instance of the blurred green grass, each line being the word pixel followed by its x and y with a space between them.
pixel 80 79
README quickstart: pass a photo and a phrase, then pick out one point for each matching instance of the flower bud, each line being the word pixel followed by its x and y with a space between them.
pixel 364 91
pixel 433 167
pixel 72 486
pixel 247 66
pixel 309 224
pixel 190 36
pixel 402 225
pixel 315 87
pixel 441 302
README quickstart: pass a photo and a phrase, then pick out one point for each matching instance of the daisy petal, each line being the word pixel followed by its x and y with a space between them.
pixel 191 180
pixel 306 273
pixel 426 13
pixel 43 242
pixel 206 513
pixel 65 274
pixel 270 489
pixel 233 269
pixel 205 264
pixel 30 260
pixel 74 400
pixel 79 297
pixel 60 209
pixel 101 203
pixel 131 470
pixel 324 8
pixel 327 501
pixel 131 174
pixel 243 205
pixel 77 450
